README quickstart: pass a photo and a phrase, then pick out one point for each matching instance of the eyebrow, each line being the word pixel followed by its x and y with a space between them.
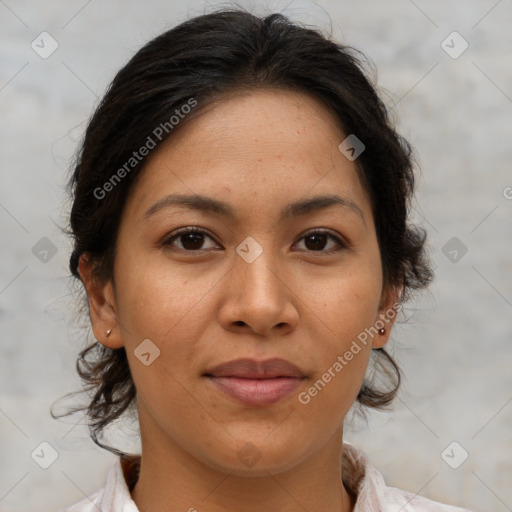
pixel 214 206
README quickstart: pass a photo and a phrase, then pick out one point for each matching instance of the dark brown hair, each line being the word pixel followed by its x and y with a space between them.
pixel 205 58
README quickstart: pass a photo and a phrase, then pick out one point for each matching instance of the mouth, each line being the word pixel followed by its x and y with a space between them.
pixel 256 383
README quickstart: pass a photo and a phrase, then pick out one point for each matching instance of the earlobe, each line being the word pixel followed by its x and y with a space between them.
pixel 102 307
pixel 388 312
pixel 382 336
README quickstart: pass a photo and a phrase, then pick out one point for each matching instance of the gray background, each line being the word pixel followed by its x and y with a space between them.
pixel 455 348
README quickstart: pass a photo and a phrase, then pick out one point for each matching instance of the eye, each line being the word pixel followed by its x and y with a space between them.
pixel 192 239
pixel 315 241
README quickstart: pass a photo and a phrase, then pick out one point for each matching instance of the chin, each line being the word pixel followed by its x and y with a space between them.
pixel 256 458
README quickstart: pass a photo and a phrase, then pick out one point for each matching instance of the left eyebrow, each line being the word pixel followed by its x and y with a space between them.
pixel 214 206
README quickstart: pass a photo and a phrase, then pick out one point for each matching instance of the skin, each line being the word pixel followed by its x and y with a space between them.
pixel 257 151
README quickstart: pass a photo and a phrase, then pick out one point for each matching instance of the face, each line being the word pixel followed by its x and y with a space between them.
pixel 253 278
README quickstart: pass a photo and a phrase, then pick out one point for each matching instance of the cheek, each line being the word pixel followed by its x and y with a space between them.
pixel 156 298
pixel 341 366
pixel 348 305
pixel 169 310
pixel 345 311
pixel 172 322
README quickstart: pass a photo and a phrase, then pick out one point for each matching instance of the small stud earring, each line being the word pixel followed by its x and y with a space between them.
pixel 382 331
pixel 108 332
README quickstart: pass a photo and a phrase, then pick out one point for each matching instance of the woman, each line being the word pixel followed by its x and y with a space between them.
pixel 240 228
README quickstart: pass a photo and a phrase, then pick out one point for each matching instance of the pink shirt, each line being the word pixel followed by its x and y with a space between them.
pixel 373 495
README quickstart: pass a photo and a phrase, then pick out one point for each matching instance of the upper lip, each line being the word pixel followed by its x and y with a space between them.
pixel 253 369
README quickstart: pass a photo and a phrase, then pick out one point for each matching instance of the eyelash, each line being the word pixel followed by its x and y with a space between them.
pixel 191 229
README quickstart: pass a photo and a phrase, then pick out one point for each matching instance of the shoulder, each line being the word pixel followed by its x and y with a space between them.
pixel 87 504
pixel 368 484
pixel 414 503
pixel 114 496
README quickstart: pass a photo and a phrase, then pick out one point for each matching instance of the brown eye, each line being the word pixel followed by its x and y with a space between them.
pixel 316 241
pixel 190 238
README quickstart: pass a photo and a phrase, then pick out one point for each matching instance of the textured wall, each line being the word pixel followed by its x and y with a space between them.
pixel 456 348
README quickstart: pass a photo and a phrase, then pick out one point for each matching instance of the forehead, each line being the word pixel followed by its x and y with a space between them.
pixel 265 121
pixel 267 146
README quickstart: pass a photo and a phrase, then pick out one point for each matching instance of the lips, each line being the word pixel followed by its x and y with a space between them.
pixel 252 369
pixel 256 383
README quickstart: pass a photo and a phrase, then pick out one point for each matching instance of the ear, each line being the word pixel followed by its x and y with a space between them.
pixel 388 311
pixel 102 306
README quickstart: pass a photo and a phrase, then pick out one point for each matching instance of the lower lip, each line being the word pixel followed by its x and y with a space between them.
pixel 257 391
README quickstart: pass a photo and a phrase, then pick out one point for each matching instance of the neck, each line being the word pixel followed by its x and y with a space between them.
pixel 173 479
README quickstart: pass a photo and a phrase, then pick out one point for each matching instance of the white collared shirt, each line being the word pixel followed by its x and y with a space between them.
pixel 364 480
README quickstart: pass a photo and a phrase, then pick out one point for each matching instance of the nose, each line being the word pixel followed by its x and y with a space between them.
pixel 259 298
